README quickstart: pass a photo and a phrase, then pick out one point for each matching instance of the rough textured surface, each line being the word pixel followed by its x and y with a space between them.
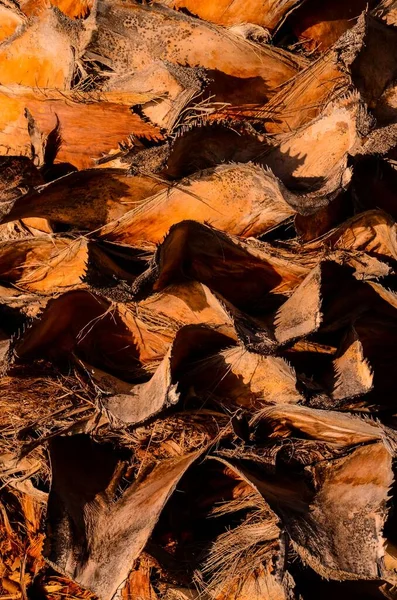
pixel 198 300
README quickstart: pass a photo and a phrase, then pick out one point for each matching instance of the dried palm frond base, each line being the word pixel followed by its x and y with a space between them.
pixel 198 300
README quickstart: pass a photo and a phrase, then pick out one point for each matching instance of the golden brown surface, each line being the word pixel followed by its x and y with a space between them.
pixel 198 300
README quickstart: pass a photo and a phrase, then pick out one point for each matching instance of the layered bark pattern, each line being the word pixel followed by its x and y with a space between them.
pixel 198 299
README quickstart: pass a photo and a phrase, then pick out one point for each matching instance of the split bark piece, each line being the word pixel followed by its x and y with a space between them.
pixel 85 324
pixel 240 199
pixel 295 320
pixel 75 115
pixel 146 400
pixel 244 379
pixel 45 265
pixel 354 375
pixel 91 536
pixel 317 303
pixel 14 577
pixel 157 319
pixel 361 480
pixel 311 507
pixel 372 232
pixel 244 273
pixel 85 199
pixel 330 427
pixel 375 334
pixel 315 156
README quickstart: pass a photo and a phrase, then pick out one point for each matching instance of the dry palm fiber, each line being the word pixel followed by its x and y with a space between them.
pixel 198 300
